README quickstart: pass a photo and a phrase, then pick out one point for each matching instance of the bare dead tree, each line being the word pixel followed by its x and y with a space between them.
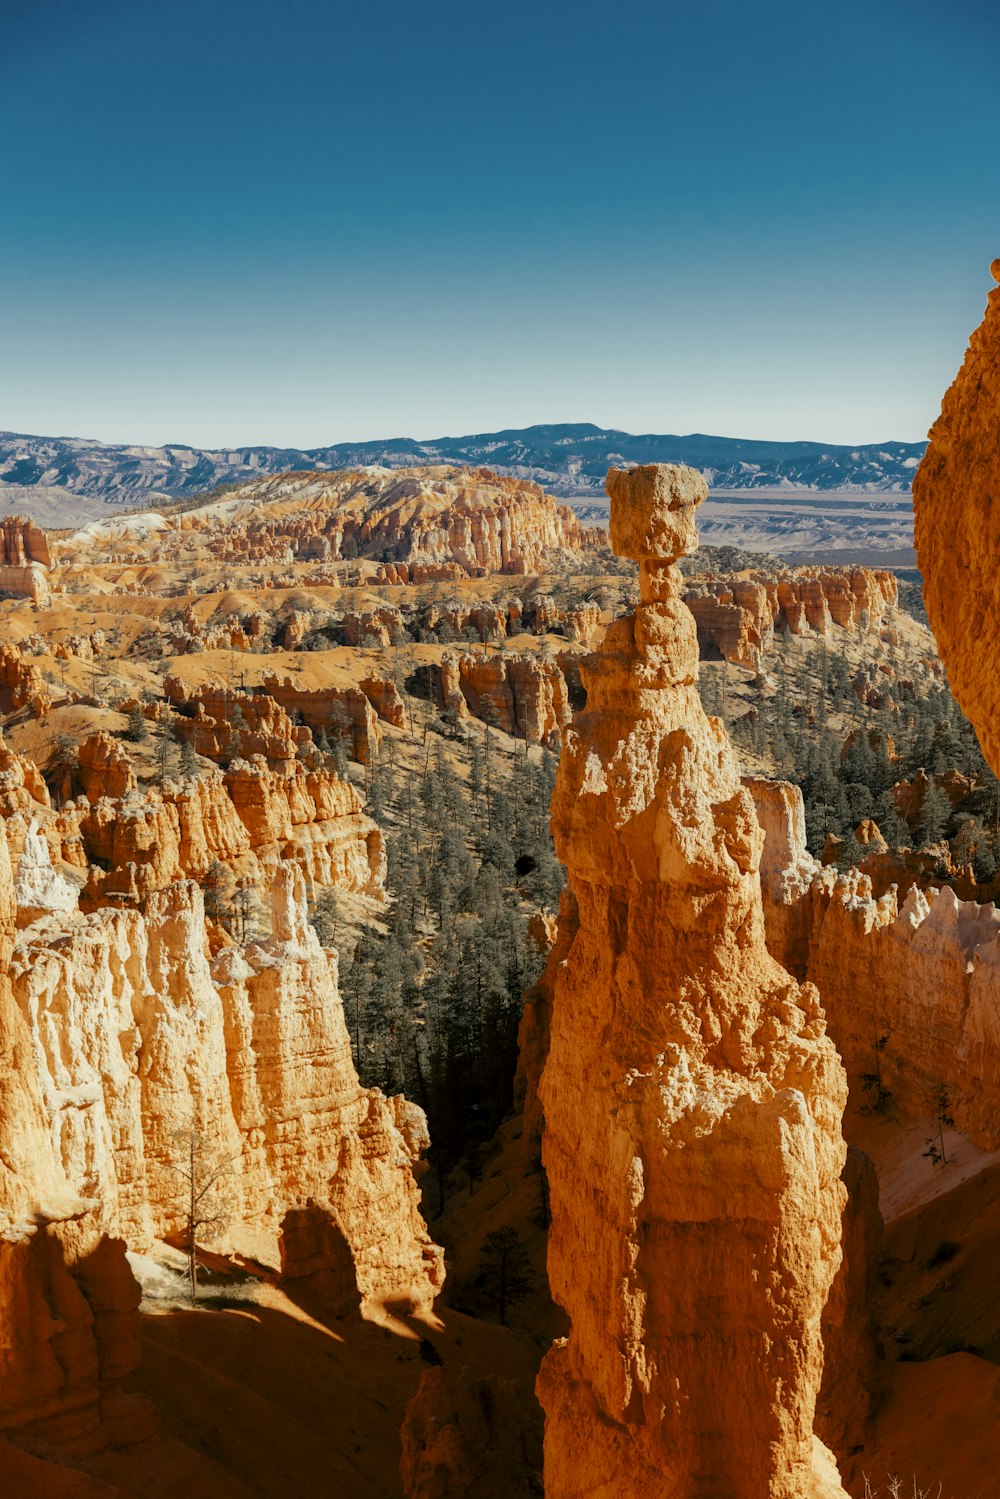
pixel 204 1175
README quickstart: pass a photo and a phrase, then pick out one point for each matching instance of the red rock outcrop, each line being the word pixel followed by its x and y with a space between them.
pixel 22 686
pixel 522 694
pixel 692 1100
pixel 958 548
pixel 377 628
pixel 737 615
pixel 24 559
pixel 222 723
pixel 519 692
pixel 104 767
pixel 909 795
pixel 342 710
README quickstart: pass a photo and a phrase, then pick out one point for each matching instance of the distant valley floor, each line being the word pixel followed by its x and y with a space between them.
pixel 800 525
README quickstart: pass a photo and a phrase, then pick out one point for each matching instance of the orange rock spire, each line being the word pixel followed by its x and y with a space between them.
pixel 692 1098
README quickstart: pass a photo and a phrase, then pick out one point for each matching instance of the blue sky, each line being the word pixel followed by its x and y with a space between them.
pixel 298 223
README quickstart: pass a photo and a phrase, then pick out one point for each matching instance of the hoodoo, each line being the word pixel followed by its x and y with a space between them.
pixel 692 1097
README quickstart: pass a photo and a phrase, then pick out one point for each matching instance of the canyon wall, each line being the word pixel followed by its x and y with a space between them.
pixel 128 1033
pixel 692 1100
pixel 737 615
pixel 68 1303
pixel 911 988
pixel 140 1036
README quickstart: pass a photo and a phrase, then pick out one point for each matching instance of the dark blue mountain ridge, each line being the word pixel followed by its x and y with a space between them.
pixel 566 458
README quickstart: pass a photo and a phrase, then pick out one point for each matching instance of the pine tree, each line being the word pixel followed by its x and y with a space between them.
pixel 506 1275
pixel 890 824
pixel 326 916
pixel 189 764
pixel 135 731
pixel 935 814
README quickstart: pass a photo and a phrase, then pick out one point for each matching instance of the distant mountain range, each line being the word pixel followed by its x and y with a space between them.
pixel 567 460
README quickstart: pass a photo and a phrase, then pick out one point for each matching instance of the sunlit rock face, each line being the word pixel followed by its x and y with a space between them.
pixel 737 615
pixel 956 492
pixel 692 1099
pixel 139 1036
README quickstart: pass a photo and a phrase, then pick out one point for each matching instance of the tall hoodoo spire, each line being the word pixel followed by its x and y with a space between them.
pixel 692 1099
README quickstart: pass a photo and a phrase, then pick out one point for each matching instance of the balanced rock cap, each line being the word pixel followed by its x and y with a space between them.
pixel 653 510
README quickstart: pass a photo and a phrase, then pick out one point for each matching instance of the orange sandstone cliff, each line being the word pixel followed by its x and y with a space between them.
pixel 738 615
pixel 958 542
pixel 692 1099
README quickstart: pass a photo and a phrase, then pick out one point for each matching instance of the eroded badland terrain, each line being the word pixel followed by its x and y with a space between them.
pixel 493 1006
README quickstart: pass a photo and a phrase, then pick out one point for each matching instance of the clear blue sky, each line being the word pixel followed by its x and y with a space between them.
pixel 231 221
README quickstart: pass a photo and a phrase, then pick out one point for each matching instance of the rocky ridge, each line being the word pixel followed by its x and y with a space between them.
pixel 571 458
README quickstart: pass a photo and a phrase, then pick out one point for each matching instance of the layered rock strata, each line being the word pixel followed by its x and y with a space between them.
pixel 737 616
pixel 692 1099
pixel 415 520
pixel 252 819
pixel 519 692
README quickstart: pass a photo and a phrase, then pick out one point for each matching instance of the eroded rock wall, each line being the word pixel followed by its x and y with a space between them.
pixel 139 1036
pixel 68 1303
pixel 911 987
pixel 738 615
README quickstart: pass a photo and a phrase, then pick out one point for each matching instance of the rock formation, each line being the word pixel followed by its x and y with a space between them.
pixel 222 723
pixel 910 988
pixel 517 691
pixel 39 890
pixel 417 518
pixel 139 1036
pixel 738 615
pixel 24 559
pixel 68 1302
pixel 104 768
pixel 692 1100
pixel 252 819
pixel 471 1434
pixel 958 546
pixel 22 686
